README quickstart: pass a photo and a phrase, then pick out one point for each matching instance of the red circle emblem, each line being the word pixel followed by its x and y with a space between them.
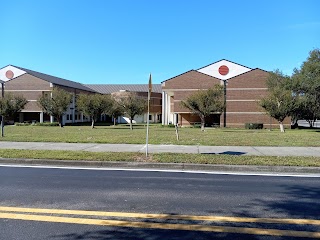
pixel 9 74
pixel 223 70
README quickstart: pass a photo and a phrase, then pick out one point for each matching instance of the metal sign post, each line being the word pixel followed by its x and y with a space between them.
pixel 2 118
pixel 149 96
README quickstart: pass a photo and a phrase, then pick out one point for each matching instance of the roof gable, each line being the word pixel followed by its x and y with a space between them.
pixel 10 72
pixel 231 69
pixel 55 80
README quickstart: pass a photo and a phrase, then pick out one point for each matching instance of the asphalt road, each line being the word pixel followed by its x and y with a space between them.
pixel 129 192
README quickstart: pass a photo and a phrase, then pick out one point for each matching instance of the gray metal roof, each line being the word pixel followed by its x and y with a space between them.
pixel 56 80
pixel 111 88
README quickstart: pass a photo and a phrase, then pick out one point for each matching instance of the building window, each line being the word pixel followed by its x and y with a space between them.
pixel 68 117
pixel 71 117
pixel 150 117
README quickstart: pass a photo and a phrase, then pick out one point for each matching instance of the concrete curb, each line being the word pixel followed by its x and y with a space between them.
pixel 163 166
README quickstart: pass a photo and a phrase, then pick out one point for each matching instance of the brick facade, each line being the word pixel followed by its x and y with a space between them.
pixel 244 88
pixel 32 88
pixel 243 93
pixel 191 80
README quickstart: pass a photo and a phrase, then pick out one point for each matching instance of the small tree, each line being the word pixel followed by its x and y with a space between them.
pixel 9 106
pixel 57 104
pixel 93 105
pixel 115 111
pixel 279 103
pixel 132 105
pixel 205 102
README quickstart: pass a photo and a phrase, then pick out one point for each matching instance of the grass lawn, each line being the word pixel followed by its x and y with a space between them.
pixel 163 135
pixel 163 158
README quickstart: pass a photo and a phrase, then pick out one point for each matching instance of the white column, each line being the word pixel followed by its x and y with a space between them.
pixel 73 107
pixel 41 117
pixel 51 117
pixel 175 118
pixel 168 109
pixel 81 117
pixel 163 108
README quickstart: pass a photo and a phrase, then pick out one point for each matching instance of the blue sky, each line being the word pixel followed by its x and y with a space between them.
pixel 115 41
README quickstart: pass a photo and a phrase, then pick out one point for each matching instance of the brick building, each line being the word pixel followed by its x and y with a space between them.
pixel 32 85
pixel 244 88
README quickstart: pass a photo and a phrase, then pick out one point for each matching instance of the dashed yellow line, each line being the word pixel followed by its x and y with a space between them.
pixel 162 216
pixel 148 225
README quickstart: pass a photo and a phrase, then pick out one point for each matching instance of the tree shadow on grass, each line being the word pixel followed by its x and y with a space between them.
pixel 228 153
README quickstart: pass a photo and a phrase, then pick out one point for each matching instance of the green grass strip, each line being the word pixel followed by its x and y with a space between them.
pixel 164 135
pixel 162 158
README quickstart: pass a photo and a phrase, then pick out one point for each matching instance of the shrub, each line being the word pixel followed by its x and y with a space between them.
pixel 22 124
pixel 48 124
pixel 253 125
pixel 170 125
pixel 196 125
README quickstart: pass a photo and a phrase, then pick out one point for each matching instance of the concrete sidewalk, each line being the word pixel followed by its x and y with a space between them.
pixel 230 150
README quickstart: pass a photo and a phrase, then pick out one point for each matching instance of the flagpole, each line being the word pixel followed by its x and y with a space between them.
pixel 149 96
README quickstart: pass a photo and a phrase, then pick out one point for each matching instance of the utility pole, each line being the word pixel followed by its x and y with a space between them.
pixel 225 103
pixel 2 117
pixel 149 97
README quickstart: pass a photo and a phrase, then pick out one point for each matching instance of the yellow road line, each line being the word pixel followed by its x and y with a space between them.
pixel 161 216
pixel 188 227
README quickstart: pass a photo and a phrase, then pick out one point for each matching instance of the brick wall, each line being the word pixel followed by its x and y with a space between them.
pixel 255 78
pixel 239 120
pixel 191 80
pixel 243 95
pixel 27 82
pixel 29 87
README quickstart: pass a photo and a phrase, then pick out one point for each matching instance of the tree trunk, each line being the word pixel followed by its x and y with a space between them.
pixel 202 123
pixel 114 121
pixel 92 123
pixel 281 127
pixel 2 126
pixel 311 123
pixel 59 121
pixel 177 131
pixel 131 128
